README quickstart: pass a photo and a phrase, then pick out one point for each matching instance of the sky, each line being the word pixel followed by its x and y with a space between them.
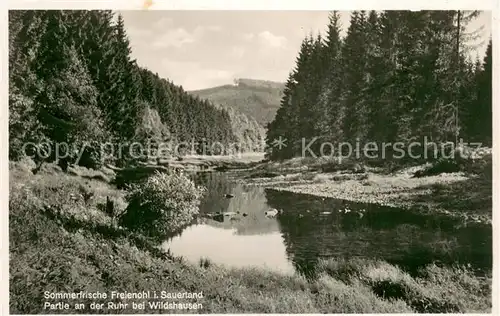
pixel 203 49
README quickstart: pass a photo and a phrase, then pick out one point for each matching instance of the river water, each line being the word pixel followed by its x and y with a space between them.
pixel 313 228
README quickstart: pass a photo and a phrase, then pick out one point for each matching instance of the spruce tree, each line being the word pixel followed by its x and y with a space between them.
pixel 330 117
pixel 483 113
pixel 354 75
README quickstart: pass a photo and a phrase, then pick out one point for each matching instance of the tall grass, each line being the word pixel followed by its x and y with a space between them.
pixel 435 290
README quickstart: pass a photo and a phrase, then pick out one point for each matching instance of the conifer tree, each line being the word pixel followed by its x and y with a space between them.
pixel 482 124
pixel 25 30
pixel 354 75
pixel 329 108
pixel 396 76
pixel 73 80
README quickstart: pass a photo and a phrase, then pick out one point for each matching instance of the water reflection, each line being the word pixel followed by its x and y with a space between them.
pixel 246 200
pixel 408 239
pixel 226 246
pixel 313 228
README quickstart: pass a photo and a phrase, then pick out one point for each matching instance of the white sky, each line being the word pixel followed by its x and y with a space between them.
pixel 201 49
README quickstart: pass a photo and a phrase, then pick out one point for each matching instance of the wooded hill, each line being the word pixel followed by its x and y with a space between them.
pixel 72 79
pixel 258 99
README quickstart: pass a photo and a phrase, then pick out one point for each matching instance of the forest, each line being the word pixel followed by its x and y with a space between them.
pixel 73 80
pixel 396 76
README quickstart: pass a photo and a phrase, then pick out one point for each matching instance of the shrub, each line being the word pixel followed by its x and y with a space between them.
pixel 162 204
pixel 91 158
pixel 441 166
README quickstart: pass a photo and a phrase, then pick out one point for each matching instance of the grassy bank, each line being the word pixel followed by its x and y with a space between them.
pixel 466 193
pixel 59 243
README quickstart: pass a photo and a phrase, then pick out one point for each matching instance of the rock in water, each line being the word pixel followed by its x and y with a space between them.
pixel 272 212
pixel 219 218
pixel 358 168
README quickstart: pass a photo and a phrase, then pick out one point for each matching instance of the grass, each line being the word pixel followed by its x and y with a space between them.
pixel 476 193
pixel 435 290
pixel 59 244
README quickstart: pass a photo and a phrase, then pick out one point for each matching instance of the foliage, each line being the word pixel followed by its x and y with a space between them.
pixel 162 204
pixel 187 118
pixel 395 76
pixel 73 80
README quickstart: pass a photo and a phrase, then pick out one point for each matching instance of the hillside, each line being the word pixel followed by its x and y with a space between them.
pixel 248 132
pixel 86 99
pixel 255 98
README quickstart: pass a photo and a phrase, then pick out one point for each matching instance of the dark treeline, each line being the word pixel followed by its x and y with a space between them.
pixel 72 79
pixel 395 76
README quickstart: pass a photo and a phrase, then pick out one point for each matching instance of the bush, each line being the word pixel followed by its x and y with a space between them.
pixel 441 166
pixel 91 158
pixel 162 204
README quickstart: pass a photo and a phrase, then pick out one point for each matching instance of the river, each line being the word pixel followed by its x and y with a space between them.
pixel 314 228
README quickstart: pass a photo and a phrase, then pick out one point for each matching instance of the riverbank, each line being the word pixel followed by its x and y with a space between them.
pixel 198 163
pixel 463 194
pixel 62 244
